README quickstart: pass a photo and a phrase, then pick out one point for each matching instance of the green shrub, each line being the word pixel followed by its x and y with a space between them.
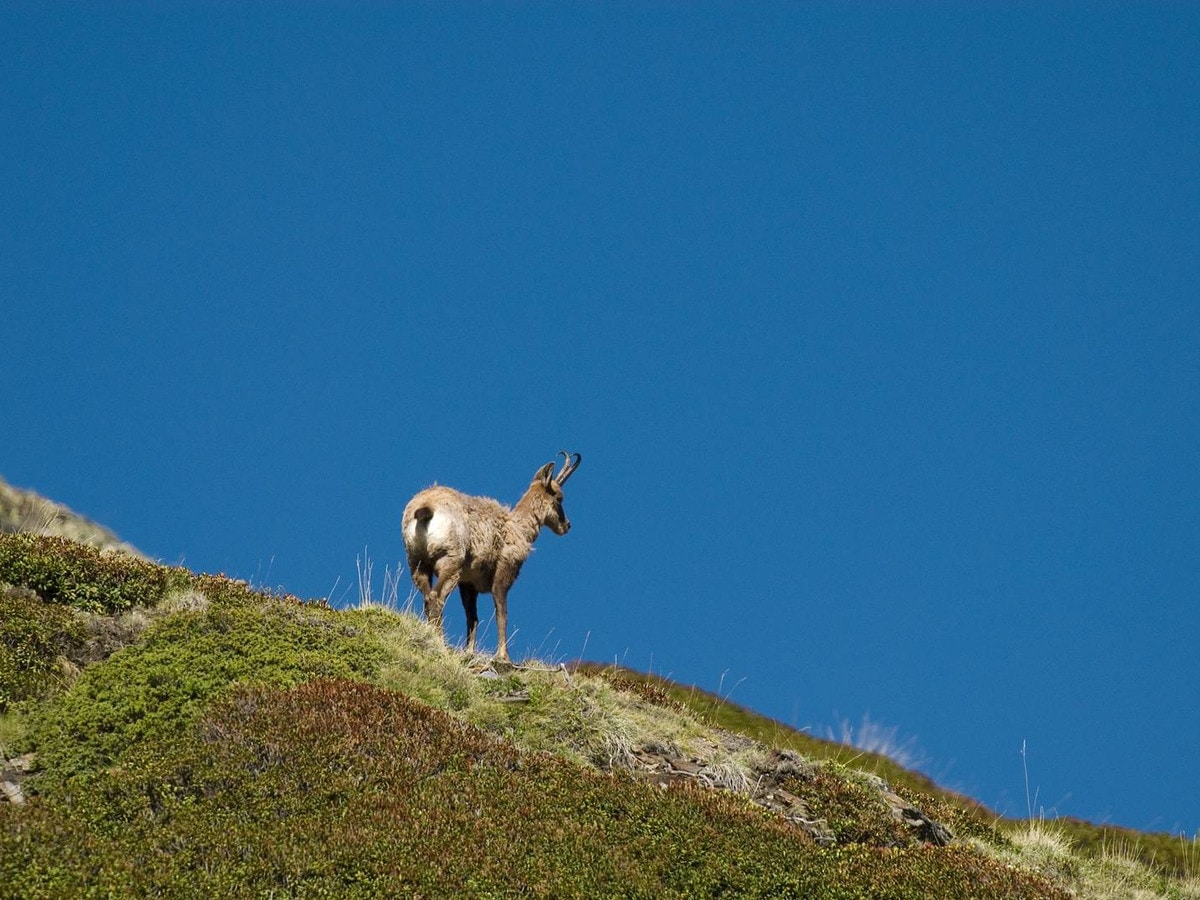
pixel 71 574
pixel 33 635
pixel 222 590
pixel 152 689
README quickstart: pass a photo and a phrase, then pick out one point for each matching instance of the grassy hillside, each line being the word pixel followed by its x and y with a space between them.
pixel 1160 852
pixel 172 734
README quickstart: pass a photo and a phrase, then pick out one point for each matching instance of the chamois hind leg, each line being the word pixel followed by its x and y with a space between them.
pixel 422 576
pixel 422 572
pixel 470 601
pixel 449 570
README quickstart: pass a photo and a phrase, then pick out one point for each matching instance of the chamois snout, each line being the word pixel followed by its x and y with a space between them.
pixel 556 517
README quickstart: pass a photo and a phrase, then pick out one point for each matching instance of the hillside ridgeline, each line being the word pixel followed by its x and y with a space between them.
pixel 24 511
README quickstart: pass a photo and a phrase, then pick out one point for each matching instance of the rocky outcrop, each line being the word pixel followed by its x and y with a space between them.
pixel 776 769
pixel 923 828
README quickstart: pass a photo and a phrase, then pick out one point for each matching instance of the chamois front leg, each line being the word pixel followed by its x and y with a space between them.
pixel 470 602
pixel 506 574
pixel 500 595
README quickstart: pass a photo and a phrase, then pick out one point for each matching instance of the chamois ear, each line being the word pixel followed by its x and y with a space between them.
pixel 545 474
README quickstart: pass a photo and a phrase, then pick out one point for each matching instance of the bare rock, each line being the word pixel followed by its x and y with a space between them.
pixel 12 792
pixel 12 773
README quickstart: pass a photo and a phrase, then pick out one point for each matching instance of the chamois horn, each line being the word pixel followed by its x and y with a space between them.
pixel 570 464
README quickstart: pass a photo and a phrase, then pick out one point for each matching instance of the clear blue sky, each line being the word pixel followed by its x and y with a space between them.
pixel 877 326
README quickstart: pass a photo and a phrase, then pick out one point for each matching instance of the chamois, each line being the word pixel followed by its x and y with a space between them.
pixel 479 545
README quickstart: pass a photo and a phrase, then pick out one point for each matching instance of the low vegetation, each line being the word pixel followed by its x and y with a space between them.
pixel 193 737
